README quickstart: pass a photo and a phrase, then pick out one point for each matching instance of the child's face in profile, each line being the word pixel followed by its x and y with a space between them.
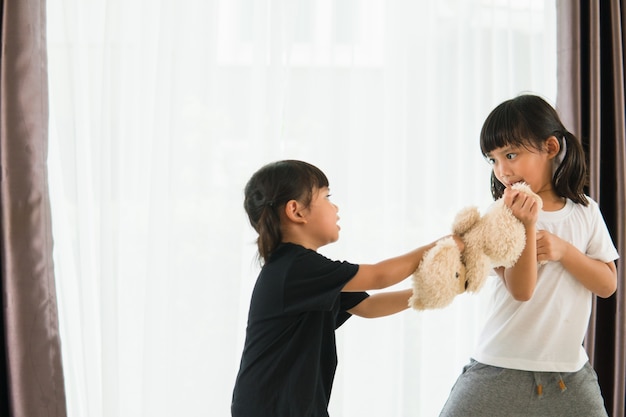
pixel 322 218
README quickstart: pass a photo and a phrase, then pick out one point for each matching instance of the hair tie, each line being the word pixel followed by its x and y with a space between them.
pixel 270 203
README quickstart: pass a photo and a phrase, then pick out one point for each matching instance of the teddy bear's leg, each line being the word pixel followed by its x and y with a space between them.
pixel 504 244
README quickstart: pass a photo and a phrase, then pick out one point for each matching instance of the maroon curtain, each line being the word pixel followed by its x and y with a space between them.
pixel 32 382
pixel 590 98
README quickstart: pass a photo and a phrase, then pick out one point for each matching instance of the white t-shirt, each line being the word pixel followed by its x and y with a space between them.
pixel 546 332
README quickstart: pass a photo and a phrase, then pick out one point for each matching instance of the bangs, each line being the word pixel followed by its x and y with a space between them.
pixel 303 179
pixel 318 178
pixel 505 126
pixel 310 176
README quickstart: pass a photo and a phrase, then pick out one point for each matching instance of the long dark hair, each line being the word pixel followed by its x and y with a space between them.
pixel 267 192
pixel 528 120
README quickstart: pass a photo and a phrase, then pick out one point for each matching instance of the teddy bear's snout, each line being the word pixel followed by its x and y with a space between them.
pixel 457 275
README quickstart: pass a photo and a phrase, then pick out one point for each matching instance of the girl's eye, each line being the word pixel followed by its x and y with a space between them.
pixel 511 155
pixel 491 161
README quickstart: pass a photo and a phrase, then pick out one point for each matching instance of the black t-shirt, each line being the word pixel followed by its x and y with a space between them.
pixel 289 357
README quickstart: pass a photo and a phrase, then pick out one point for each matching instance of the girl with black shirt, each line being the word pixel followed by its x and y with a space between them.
pixel 301 297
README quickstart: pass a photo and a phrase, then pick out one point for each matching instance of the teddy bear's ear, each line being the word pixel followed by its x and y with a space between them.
pixel 465 219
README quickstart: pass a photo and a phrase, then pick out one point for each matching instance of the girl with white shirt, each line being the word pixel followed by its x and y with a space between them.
pixel 530 359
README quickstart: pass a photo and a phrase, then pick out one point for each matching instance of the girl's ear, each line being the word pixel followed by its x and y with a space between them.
pixel 553 146
pixel 293 212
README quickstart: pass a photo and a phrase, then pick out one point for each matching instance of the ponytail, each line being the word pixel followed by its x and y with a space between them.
pixel 268 228
pixel 570 177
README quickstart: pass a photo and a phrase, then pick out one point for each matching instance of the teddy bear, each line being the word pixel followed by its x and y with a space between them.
pixel 495 239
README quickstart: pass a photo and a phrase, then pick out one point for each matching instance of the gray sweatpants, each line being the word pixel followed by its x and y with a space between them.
pixel 488 391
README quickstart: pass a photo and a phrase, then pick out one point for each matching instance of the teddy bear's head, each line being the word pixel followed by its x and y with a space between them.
pixel 495 239
pixel 439 278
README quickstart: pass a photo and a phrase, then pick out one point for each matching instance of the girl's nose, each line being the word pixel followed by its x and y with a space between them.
pixel 502 170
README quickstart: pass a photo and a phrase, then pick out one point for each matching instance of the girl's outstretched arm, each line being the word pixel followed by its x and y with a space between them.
pixel 390 271
pixel 382 304
pixel 597 276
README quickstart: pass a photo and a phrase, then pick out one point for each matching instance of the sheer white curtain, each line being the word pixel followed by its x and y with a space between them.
pixel 161 110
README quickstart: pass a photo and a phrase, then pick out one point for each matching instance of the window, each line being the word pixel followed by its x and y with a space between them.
pixel 159 113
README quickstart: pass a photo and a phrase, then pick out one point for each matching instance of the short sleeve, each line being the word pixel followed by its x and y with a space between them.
pixel 600 245
pixel 315 282
pixel 347 301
